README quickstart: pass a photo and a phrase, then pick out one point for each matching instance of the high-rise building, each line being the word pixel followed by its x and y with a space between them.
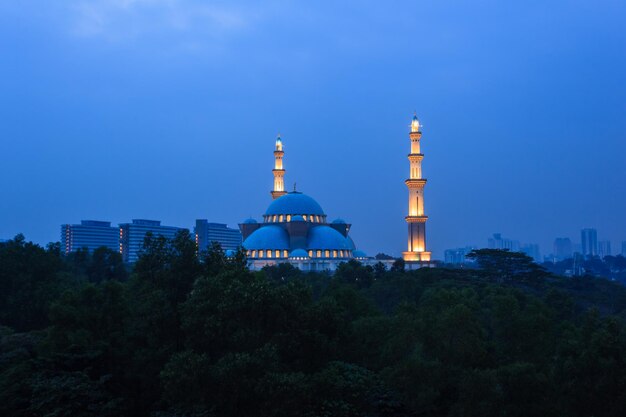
pixel 416 219
pixel 90 235
pixel 532 250
pixel 604 248
pixel 132 235
pixel 457 256
pixel 207 233
pixel 562 248
pixel 498 242
pixel 589 240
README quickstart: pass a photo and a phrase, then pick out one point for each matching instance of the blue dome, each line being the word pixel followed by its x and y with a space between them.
pixel 294 203
pixel 298 253
pixel 359 254
pixel 297 218
pixel 339 221
pixel 267 237
pixel 250 221
pixel 351 244
pixel 325 237
pixel 230 253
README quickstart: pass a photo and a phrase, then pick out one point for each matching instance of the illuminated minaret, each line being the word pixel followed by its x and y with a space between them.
pixel 416 219
pixel 278 171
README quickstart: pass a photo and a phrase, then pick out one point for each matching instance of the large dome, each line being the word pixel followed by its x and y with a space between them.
pixel 325 237
pixel 267 237
pixel 294 203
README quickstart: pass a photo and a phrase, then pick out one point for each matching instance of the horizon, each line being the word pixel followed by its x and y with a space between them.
pixel 169 111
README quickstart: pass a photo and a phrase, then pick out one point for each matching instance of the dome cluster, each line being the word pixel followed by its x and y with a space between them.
pixel 294 228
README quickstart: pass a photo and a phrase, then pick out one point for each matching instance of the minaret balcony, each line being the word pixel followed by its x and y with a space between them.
pixel 416 219
pixel 415 182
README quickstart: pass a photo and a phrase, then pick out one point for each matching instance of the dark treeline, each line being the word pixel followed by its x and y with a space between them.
pixel 182 335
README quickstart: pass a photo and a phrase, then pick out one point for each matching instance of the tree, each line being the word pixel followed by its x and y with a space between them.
pixel 503 265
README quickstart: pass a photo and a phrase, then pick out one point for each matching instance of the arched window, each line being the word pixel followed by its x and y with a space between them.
pixel 261 254
pixel 277 253
pixel 319 254
pixel 254 254
pixel 310 254
pixel 285 254
pixel 326 254
pixel 289 217
pixel 334 254
pixel 304 217
pixel 269 253
pixel 280 218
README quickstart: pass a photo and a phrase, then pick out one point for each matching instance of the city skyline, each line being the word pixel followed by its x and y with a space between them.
pixel 111 115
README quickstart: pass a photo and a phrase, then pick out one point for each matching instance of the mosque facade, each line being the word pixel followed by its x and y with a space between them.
pixel 295 229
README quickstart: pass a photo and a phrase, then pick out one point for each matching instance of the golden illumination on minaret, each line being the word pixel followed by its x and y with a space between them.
pixel 416 251
pixel 278 171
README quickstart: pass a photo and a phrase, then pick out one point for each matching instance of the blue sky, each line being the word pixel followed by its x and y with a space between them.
pixel 168 109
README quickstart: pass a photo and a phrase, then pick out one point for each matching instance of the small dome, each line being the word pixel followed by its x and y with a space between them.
pixel 250 221
pixel 298 253
pixel 230 253
pixel 339 221
pixel 267 237
pixel 294 203
pixel 325 237
pixel 297 218
pixel 359 254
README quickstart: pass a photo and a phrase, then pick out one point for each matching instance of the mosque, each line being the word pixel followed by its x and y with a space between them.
pixel 295 229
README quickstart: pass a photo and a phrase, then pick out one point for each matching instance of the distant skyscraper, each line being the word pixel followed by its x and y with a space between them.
pixel 589 239
pixel 498 242
pixel 132 235
pixel 89 234
pixel 457 256
pixel 206 233
pixel 604 248
pixel 562 248
pixel 532 250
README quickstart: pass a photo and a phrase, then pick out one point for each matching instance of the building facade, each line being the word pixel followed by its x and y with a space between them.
pixel 90 235
pixel 589 241
pixel 562 248
pixel 458 256
pixel 132 235
pixel 416 249
pixel 206 233
pixel 498 242
pixel 604 248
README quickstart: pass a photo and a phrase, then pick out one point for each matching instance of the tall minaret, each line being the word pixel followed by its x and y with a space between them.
pixel 278 171
pixel 416 219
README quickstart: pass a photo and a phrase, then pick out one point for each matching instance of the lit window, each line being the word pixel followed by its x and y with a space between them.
pixel 289 217
pixel 277 253
pixel 319 254
pixel 327 254
pixel 261 254
pixel 269 253
pixel 334 254
pixel 285 254
pixel 274 218
pixel 304 217
pixel 310 254
pixel 254 254
pixel 280 218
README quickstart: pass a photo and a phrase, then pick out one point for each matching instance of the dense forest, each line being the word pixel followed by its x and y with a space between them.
pixel 187 335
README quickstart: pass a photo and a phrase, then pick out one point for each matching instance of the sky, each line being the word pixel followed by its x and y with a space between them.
pixel 168 110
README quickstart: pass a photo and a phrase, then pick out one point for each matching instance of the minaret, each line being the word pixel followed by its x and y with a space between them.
pixel 278 171
pixel 416 219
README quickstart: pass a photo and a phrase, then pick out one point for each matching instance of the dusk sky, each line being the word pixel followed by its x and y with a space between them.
pixel 168 110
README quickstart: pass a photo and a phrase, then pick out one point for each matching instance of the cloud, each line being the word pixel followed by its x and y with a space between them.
pixel 119 20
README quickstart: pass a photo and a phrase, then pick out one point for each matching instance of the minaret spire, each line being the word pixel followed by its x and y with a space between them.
pixel 278 171
pixel 416 219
